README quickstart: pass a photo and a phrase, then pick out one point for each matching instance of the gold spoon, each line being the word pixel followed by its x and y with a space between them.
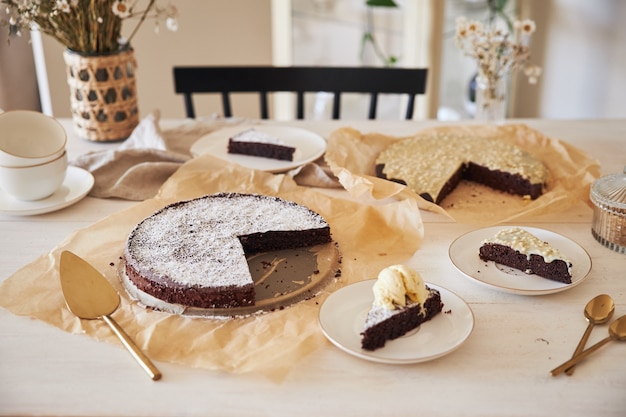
pixel 617 331
pixel 597 311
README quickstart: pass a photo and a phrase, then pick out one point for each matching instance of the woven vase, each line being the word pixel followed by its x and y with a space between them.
pixel 103 94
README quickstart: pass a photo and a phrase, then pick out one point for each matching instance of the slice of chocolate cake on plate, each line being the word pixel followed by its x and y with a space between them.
pixel 256 143
pixel 402 302
pixel 520 249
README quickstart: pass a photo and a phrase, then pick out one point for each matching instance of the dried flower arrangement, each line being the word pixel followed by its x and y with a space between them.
pixel 497 52
pixel 88 27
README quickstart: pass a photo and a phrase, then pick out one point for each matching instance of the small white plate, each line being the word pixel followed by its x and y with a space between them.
pixel 343 314
pixel 464 255
pixel 75 187
pixel 309 146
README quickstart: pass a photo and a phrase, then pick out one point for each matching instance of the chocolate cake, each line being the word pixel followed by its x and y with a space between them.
pixel 255 143
pixel 522 250
pixel 193 253
pixel 402 302
pixel 434 165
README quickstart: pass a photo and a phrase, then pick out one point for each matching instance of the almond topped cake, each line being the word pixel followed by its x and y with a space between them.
pixel 433 166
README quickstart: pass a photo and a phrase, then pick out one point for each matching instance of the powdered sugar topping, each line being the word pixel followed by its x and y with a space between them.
pixel 256 136
pixel 195 242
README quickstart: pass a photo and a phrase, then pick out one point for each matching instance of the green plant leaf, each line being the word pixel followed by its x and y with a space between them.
pixel 381 3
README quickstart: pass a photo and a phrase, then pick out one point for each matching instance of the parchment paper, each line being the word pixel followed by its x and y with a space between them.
pixel 352 155
pixel 270 343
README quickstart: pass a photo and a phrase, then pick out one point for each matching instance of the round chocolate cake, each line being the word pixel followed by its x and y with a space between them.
pixel 434 165
pixel 193 253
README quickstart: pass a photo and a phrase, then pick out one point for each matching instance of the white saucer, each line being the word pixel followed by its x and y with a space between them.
pixel 309 146
pixel 76 185
pixel 464 255
pixel 343 314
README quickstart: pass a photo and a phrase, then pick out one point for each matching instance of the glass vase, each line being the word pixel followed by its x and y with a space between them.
pixel 490 99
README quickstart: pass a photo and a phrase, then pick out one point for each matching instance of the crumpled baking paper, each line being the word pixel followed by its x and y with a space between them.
pixel 269 343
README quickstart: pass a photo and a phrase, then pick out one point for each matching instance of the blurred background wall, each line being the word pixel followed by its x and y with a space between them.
pixel 579 44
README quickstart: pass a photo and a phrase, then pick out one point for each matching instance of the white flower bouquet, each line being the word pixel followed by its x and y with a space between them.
pixel 497 53
pixel 88 27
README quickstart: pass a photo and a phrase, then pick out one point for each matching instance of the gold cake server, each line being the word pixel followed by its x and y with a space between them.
pixel 90 296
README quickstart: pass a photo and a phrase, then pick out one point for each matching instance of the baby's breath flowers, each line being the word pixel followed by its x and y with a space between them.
pixel 497 53
pixel 86 26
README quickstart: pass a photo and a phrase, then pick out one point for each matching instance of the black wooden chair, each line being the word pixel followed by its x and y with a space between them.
pixel 300 80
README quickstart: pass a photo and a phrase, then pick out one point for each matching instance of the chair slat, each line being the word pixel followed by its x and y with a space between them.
pixel 189 108
pixel 373 106
pixel 336 105
pixel 264 110
pixel 409 108
pixel 300 105
pixel 226 104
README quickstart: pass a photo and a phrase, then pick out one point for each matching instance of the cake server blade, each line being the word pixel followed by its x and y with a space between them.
pixel 90 296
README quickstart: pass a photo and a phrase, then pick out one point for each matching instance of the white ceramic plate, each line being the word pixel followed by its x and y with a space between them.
pixel 309 146
pixel 75 187
pixel 343 314
pixel 464 255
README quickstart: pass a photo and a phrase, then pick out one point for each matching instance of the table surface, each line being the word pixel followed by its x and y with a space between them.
pixel 501 370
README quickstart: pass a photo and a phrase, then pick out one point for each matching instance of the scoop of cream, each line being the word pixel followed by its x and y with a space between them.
pixel 397 282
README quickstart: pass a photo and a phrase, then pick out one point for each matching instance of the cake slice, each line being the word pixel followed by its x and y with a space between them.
pixel 402 302
pixel 255 143
pixel 519 249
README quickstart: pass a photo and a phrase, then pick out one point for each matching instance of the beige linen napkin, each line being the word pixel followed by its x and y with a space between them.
pixel 140 165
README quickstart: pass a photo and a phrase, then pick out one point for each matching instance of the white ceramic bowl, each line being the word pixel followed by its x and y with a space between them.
pixel 34 182
pixel 29 138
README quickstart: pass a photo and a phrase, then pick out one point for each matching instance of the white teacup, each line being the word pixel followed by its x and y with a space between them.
pixel 29 138
pixel 34 182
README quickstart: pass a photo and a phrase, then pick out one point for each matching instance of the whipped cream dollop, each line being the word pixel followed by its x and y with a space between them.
pixel 397 283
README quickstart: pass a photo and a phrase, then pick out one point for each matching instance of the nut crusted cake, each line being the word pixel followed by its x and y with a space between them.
pixel 402 302
pixel 520 249
pixel 255 143
pixel 193 252
pixel 434 165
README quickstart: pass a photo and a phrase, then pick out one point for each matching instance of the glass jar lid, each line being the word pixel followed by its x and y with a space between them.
pixel 610 191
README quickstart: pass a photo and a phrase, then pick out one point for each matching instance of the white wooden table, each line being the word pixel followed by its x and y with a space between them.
pixel 502 369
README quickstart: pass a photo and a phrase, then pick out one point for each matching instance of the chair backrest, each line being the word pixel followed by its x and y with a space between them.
pixel 300 80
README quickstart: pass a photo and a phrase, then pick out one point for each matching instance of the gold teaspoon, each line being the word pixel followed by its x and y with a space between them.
pixel 597 311
pixel 617 331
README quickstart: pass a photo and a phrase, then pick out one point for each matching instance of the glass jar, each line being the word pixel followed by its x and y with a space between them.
pixel 608 195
